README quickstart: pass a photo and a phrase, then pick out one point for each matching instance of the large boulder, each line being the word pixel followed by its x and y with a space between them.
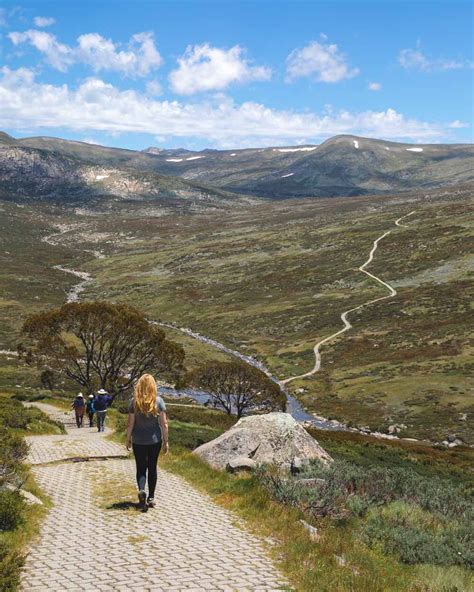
pixel 274 438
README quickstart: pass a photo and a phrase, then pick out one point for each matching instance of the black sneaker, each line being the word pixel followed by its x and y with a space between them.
pixel 142 499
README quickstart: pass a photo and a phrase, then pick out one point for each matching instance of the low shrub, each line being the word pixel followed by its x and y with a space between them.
pixel 377 485
pixel 201 416
pixel 28 397
pixel 12 507
pixel 13 451
pixel 15 416
pixel 418 518
pixel 367 451
pixel 190 436
pixel 415 537
pixel 11 562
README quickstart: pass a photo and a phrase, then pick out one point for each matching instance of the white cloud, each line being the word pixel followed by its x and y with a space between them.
pixel 140 57
pixel 415 59
pixel 95 106
pixel 204 68
pixel 457 124
pixel 374 86
pixel 44 21
pixel 322 61
pixel 58 55
pixel 90 141
pixel 153 88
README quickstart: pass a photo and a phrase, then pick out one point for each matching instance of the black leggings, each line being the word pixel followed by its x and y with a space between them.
pixel 146 459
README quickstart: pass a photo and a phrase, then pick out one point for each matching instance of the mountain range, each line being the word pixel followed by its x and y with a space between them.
pixel 44 167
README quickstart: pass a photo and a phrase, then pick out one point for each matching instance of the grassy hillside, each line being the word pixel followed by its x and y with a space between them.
pixel 272 280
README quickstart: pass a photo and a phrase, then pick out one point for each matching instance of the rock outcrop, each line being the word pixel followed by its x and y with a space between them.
pixel 274 438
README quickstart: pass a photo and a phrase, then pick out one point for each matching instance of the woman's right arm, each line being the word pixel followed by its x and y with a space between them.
pixel 130 424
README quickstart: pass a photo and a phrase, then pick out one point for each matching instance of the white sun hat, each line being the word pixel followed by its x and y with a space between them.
pixel 101 392
pixel 80 395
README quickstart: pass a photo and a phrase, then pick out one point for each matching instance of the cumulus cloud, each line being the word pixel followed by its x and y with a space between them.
pixel 205 68
pixel 138 59
pixel 44 21
pixel 58 55
pixel 415 59
pixel 321 61
pixel 96 106
pixel 374 86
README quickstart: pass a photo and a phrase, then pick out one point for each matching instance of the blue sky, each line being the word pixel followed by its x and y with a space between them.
pixel 232 74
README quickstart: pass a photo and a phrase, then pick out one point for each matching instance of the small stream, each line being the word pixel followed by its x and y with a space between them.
pixel 73 293
pixel 293 407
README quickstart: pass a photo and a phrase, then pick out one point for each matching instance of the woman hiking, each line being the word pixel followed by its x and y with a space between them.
pixel 78 405
pixel 90 410
pixel 147 433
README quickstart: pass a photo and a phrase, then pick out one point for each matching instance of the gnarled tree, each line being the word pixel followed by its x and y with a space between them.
pixel 98 345
pixel 238 388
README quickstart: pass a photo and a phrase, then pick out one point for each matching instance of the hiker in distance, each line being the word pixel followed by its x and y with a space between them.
pixel 90 410
pixel 102 402
pixel 79 405
pixel 147 433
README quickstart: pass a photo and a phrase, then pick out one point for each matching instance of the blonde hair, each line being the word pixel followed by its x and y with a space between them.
pixel 144 396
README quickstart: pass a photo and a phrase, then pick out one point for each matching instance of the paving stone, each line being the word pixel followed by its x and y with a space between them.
pixel 186 543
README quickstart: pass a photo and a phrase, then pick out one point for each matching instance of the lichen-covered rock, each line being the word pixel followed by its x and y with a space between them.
pixel 274 438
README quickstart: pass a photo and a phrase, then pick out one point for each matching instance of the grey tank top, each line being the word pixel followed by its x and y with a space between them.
pixel 146 429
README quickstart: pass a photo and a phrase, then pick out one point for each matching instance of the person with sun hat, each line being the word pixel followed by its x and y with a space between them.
pixel 79 405
pixel 102 402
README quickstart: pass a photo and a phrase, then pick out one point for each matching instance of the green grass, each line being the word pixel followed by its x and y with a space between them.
pixel 272 280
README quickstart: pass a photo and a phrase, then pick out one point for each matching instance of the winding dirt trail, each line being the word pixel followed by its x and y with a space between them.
pixel 294 407
pixel 346 322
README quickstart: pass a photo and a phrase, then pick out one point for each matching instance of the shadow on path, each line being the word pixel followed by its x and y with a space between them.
pixel 124 506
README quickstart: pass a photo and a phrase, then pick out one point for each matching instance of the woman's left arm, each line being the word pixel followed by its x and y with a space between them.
pixel 130 424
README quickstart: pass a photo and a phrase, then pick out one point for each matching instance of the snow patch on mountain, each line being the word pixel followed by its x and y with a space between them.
pixel 303 149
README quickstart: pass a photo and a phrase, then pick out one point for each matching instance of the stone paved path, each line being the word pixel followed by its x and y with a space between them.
pixel 94 539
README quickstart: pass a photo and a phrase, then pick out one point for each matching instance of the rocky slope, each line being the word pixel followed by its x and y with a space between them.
pixel 34 173
pixel 342 166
